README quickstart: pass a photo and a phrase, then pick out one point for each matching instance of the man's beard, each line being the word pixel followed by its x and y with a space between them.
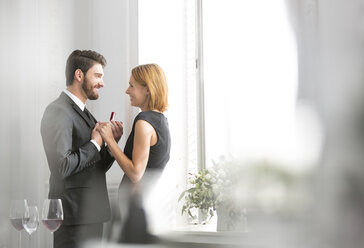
pixel 88 89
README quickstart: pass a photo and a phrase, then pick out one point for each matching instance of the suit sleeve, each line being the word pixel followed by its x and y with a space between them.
pixel 107 158
pixel 57 134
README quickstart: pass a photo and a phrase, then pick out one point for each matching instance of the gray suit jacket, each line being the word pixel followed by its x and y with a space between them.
pixel 77 168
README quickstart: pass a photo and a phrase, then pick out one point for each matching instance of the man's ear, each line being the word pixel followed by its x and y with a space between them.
pixel 78 75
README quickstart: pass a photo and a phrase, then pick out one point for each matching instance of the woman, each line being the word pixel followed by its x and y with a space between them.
pixel 147 149
pixel 148 145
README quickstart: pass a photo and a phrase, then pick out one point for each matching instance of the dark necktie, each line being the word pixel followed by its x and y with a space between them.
pixel 88 114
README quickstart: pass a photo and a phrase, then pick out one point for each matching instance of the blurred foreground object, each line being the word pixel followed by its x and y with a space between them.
pixel 233 187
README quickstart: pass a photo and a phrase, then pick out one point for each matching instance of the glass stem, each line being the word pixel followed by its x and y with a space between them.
pixel 51 239
pixel 19 239
pixel 30 241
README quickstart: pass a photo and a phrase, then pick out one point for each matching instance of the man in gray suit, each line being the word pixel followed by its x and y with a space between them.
pixel 76 154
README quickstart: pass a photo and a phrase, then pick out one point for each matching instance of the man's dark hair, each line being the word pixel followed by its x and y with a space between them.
pixel 82 60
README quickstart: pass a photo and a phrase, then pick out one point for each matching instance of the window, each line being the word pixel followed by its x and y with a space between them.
pixel 232 73
pixel 249 79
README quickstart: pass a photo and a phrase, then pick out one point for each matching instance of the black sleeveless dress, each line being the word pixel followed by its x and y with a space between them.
pixel 132 214
pixel 158 153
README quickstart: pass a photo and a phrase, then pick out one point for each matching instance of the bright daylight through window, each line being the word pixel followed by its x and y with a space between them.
pixel 248 59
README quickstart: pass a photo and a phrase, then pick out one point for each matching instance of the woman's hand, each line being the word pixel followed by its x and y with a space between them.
pixel 117 130
pixel 105 130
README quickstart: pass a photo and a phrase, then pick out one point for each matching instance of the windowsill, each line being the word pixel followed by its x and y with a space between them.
pixel 209 227
pixel 203 237
pixel 194 239
pixel 196 228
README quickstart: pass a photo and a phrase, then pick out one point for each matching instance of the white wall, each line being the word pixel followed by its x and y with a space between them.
pixel 36 38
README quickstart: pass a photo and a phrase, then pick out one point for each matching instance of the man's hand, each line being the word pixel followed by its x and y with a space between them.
pixel 96 136
pixel 117 130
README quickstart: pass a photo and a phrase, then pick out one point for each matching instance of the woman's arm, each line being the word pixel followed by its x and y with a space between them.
pixel 143 134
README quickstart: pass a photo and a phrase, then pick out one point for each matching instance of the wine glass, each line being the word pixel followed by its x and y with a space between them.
pixel 31 221
pixel 52 215
pixel 17 210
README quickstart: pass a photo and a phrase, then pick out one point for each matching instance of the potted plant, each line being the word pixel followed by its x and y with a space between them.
pixel 200 195
pixel 210 190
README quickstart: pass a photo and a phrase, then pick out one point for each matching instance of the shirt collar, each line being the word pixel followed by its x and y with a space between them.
pixel 74 98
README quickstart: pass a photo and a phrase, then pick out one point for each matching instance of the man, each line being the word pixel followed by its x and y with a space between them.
pixel 76 154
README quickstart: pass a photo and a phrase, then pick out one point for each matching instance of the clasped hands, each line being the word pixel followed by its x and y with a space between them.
pixel 106 132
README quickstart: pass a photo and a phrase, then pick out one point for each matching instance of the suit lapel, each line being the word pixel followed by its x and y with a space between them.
pixel 84 116
pixel 90 123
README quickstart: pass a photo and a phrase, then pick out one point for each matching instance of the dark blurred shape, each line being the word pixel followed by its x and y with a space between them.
pixel 135 226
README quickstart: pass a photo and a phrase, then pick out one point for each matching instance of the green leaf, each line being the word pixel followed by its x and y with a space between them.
pixel 191 190
pixel 211 212
pixel 182 195
pixel 183 209
pixel 190 214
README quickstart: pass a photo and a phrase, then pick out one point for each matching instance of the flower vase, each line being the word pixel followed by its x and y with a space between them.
pixel 203 216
